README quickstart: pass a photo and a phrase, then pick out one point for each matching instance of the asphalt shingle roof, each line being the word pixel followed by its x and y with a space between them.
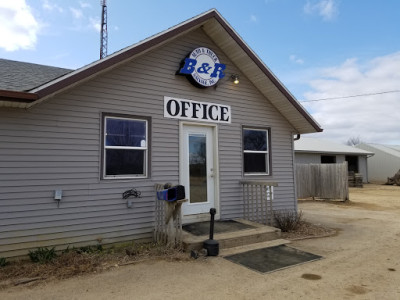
pixel 21 76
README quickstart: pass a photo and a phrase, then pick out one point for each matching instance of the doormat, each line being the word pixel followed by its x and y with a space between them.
pixel 203 228
pixel 271 259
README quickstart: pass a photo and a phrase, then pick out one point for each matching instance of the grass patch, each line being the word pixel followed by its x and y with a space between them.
pixel 84 260
pixel 42 255
pixel 3 262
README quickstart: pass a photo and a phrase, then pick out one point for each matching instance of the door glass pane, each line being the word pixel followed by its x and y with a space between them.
pixel 198 168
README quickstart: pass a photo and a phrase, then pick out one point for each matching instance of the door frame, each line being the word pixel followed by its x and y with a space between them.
pixel 202 216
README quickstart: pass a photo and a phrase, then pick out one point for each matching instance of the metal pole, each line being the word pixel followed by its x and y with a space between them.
pixel 213 211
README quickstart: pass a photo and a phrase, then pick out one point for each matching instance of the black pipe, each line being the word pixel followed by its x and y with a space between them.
pixel 211 245
pixel 213 211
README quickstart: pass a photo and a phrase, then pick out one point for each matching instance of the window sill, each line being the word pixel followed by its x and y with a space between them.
pixel 124 177
pixel 256 174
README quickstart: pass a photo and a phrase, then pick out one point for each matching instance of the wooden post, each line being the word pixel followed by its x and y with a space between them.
pixel 168 220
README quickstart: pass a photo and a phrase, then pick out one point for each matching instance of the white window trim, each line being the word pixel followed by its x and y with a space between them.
pixel 145 148
pixel 267 158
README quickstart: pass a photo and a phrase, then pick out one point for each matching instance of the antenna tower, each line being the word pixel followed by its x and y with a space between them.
pixel 103 29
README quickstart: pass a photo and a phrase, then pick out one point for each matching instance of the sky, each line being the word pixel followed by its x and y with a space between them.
pixel 339 58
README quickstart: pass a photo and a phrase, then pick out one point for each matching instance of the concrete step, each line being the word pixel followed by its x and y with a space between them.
pixel 258 233
pixel 255 246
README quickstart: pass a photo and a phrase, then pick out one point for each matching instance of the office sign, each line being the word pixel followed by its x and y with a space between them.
pixel 196 111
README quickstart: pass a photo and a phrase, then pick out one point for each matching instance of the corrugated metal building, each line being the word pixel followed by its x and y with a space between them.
pixel 130 121
pixel 317 151
pixel 384 164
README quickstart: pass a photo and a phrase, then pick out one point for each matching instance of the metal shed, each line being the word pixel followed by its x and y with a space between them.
pixel 385 163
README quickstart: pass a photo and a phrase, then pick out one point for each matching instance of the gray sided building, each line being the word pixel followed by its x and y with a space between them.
pixel 72 142
pixel 320 151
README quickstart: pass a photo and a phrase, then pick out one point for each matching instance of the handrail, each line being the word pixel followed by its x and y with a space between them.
pixel 256 182
pixel 257 200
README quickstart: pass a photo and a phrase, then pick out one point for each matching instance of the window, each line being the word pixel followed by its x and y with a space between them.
pixel 255 151
pixel 328 159
pixel 125 147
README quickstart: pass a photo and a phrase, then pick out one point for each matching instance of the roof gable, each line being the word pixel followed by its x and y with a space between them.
pixel 223 35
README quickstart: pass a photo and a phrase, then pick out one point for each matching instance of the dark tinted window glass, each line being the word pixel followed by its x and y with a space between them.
pixel 121 132
pixel 328 159
pixel 255 140
pixel 254 162
pixel 352 162
pixel 125 162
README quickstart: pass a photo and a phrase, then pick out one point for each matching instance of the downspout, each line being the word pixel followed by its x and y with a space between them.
pixel 294 173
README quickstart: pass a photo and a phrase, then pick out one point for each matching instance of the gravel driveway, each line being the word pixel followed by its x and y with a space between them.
pixel 361 262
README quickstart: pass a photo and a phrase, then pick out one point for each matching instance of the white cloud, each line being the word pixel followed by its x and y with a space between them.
pixel 76 13
pixel 327 9
pixel 295 59
pixel 95 24
pixel 84 4
pixel 374 118
pixel 19 28
pixel 51 6
pixel 253 18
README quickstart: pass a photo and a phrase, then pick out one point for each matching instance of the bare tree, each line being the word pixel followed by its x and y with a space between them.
pixel 354 141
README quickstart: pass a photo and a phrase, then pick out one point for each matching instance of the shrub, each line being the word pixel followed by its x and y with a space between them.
pixel 42 255
pixel 288 220
pixel 89 249
pixel 3 262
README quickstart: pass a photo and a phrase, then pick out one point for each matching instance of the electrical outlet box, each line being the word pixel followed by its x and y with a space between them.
pixel 58 195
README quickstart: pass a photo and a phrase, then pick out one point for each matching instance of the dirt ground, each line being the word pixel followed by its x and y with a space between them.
pixel 362 261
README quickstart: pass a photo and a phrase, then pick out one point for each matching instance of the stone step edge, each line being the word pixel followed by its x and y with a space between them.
pixel 254 246
pixel 230 235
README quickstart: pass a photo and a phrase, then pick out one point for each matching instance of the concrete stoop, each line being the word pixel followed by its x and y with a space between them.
pixel 256 235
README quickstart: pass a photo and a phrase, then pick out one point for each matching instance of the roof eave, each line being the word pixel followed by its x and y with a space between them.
pixel 17 99
pixel 85 73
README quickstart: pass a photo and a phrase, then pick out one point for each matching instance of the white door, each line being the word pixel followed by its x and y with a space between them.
pixel 198 169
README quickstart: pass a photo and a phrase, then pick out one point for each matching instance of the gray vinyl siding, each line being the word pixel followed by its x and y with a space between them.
pixel 57 145
pixel 307 158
